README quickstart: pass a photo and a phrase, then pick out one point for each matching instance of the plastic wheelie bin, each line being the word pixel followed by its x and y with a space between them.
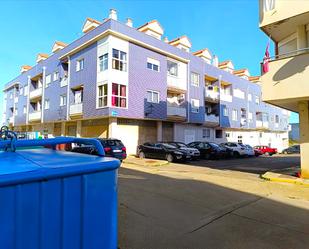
pixel 53 199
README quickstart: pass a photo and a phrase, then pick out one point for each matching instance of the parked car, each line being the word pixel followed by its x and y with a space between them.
pixel 163 151
pixel 112 148
pixel 193 152
pixel 249 150
pixel 210 150
pixel 257 152
pixel 295 149
pixel 266 150
pixel 238 150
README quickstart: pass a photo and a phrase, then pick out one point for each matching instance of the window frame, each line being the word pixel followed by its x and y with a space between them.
pixel 195 109
pixel 103 62
pixel 49 77
pixel 168 71
pixel 152 98
pixel 119 96
pixel 235 118
pixel 192 79
pixel 123 62
pixel 103 96
pixel 80 62
pixel 45 106
pixel 153 62
pixel 63 96
pixel 56 75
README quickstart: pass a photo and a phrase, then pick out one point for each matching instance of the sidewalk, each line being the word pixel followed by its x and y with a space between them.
pixel 144 162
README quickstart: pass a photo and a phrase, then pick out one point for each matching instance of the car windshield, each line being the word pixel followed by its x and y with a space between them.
pixel 181 145
pixel 215 145
pixel 248 146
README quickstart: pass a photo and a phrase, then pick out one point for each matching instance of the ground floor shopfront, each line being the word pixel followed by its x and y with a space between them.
pixel 134 132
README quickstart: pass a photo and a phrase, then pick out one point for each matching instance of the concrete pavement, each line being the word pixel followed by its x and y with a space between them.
pixel 181 206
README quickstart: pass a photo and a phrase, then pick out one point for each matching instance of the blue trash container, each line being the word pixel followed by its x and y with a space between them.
pixel 53 199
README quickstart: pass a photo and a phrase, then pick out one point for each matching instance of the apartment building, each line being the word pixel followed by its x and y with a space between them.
pixel 131 83
pixel 286 82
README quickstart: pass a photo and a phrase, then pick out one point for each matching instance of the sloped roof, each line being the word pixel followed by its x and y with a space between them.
pixel 183 40
pixel 153 25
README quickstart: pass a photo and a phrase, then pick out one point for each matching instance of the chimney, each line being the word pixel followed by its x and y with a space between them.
pixel 113 14
pixel 215 61
pixel 129 22
pixel 166 39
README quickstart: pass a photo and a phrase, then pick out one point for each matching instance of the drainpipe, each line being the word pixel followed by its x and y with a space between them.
pixel 43 95
pixel 68 89
pixel 28 100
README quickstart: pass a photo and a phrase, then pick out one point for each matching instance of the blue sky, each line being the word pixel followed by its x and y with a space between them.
pixel 229 28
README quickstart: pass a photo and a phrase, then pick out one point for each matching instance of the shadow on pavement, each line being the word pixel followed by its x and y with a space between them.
pixel 156 212
pixel 256 165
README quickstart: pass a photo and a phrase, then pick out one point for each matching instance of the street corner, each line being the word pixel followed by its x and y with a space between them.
pixel 284 178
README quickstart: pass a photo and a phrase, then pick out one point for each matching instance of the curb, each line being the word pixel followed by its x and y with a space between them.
pixel 275 177
pixel 153 163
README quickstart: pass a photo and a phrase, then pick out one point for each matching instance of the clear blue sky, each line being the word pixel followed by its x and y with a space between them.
pixel 228 28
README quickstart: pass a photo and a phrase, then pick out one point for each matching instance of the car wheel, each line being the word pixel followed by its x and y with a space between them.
pixel 236 154
pixel 169 158
pixel 141 155
pixel 267 154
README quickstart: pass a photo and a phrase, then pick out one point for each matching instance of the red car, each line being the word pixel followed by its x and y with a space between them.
pixel 266 150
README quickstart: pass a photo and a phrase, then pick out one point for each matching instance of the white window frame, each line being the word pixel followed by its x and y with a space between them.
pixel 119 96
pixel 103 62
pixel 24 109
pixel 195 79
pixel 25 90
pixel 177 68
pixel 120 60
pixel 46 104
pixel 55 75
pixel 152 96
pixel 47 80
pixel 225 111
pixel 249 97
pixel 206 133
pixel 195 108
pixel 63 100
pixel 257 100
pixel 234 114
pixel 104 95
pixel 151 63
pixel 80 64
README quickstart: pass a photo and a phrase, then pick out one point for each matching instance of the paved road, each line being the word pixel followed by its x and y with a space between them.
pixel 257 165
pixel 184 206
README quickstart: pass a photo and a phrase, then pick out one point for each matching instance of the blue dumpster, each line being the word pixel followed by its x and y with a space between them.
pixel 53 199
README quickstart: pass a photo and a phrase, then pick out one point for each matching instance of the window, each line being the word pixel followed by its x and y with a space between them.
pixel 102 95
pixel 234 115
pixel 227 134
pixel 195 79
pixel 78 96
pixel 16 112
pixel 250 116
pixel 249 97
pixel 119 95
pixel 225 111
pixel 153 64
pixel 277 119
pixel 152 96
pixel 119 60
pixel 80 64
pixel 268 5
pixel 63 100
pixel 195 105
pixel 11 95
pixel 46 104
pixel 24 109
pixel 219 133
pixel 21 90
pixel 25 90
pixel 56 76
pixel 47 80
pixel 103 62
pixel 172 68
pixel 206 133
pixel 239 139
pixel 257 100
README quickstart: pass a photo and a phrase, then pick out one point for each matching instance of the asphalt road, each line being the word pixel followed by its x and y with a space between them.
pixel 183 206
pixel 256 165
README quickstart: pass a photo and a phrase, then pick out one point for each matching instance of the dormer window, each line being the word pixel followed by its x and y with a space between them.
pixel 152 28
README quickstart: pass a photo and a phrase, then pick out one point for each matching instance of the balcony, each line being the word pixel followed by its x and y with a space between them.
pixel 226 97
pixel 35 116
pixel 212 120
pixel 262 124
pixel 176 113
pixel 175 84
pixel 287 80
pixel 211 96
pixel 76 109
pixel 36 93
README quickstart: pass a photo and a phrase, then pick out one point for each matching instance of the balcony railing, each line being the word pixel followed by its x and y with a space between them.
pixel 226 97
pixel 76 109
pixel 212 118
pixel 176 111
pixel 36 93
pixel 34 116
pixel 262 124
pixel 289 54
pixel 211 95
